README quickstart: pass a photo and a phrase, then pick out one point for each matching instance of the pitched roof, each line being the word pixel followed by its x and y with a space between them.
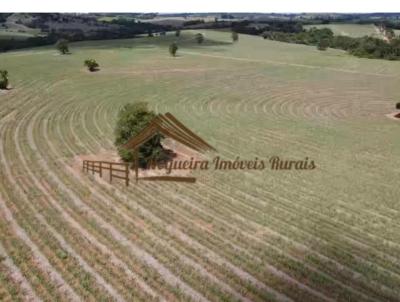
pixel 169 126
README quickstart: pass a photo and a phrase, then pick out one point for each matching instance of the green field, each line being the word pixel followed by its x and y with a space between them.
pixel 330 234
pixel 10 34
pixel 352 30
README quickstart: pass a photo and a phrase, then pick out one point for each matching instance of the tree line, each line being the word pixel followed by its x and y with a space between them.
pixel 364 47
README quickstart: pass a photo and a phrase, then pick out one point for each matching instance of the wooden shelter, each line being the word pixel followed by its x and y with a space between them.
pixel 168 126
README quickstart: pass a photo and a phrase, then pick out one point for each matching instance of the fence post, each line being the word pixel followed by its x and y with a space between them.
pixel 101 169
pixel 137 164
pixel 110 172
pixel 83 166
pixel 127 174
pixel 93 167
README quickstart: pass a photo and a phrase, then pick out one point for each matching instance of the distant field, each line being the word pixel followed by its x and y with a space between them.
pixel 18 33
pixel 330 234
pixel 352 30
pixel 14 35
pixel 174 21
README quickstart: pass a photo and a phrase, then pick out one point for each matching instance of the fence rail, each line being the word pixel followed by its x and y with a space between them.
pixel 99 167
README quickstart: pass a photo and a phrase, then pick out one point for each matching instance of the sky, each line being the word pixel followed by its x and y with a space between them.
pixel 171 6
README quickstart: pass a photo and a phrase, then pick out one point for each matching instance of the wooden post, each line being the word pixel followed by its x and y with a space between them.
pixel 127 174
pixel 136 164
pixel 101 170
pixel 93 167
pixel 83 166
pixel 110 172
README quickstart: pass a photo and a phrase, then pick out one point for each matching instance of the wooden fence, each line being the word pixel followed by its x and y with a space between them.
pixel 101 166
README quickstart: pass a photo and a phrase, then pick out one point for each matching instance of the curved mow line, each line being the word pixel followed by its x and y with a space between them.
pixel 344 267
pixel 184 259
pixel 15 274
pixel 100 280
pixel 237 271
pixel 309 210
pixel 275 248
pixel 344 286
pixel 245 275
pixel 141 254
pixel 215 257
pixel 338 222
pixel 91 239
pixel 40 217
pixel 38 256
pixel 114 259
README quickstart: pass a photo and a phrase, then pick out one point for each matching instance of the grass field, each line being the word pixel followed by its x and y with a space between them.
pixel 18 32
pixel 330 234
pixel 352 30
pixel 10 34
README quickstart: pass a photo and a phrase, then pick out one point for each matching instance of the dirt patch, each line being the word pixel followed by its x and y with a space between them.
pixel 394 116
pixel 181 153
pixel 6 91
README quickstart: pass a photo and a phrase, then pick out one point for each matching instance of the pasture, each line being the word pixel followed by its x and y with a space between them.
pixel 11 34
pixel 328 234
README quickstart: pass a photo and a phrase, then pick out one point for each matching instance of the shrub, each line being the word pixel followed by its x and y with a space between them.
pixel 91 64
pixel 3 79
pixel 173 48
pixel 132 119
pixel 323 44
pixel 199 38
pixel 62 46
pixel 235 36
pixel 177 33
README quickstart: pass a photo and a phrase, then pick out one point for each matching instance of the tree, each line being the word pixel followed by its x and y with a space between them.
pixel 235 36
pixel 91 64
pixel 199 38
pixel 389 33
pixel 3 79
pixel 323 44
pixel 62 46
pixel 173 48
pixel 177 33
pixel 132 119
